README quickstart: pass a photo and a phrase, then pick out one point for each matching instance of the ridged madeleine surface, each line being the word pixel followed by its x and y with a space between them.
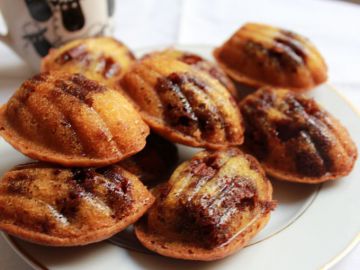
pixel 259 54
pixel 69 207
pixel 102 59
pixel 212 206
pixel 155 162
pixel 70 120
pixel 183 103
pixel 202 64
pixel 294 138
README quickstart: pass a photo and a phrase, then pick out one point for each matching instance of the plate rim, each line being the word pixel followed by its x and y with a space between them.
pixel 24 255
pixel 37 265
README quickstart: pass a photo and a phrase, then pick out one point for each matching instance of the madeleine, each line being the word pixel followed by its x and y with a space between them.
pixel 155 162
pixel 212 206
pixel 71 120
pixel 103 59
pixel 259 54
pixel 184 104
pixel 294 138
pixel 57 206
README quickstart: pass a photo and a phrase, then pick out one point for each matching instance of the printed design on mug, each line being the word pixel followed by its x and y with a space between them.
pixel 35 35
pixel 98 29
pixel 110 7
pixel 52 23
pixel 71 14
pixel 40 10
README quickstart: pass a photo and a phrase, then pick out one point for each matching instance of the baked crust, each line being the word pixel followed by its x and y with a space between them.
pixel 294 138
pixel 71 120
pixel 187 251
pixel 103 59
pixel 55 206
pixel 202 64
pixel 259 55
pixel 212 206
pixel 183 103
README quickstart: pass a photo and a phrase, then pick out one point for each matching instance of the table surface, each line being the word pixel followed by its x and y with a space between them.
pixel 332 25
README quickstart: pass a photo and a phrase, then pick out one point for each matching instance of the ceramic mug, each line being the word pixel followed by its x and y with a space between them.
pixel 35 26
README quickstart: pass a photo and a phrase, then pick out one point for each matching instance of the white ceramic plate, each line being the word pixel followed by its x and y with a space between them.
pixel 313 227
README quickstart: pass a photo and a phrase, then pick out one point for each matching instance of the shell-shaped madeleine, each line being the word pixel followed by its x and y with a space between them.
pixel 155 162
pixel 103 59
pixel 212 206
pixel 294 138
pixel 199 62
pixel 68 207
pixel 71 120
pixel 183 103
pixel 259 54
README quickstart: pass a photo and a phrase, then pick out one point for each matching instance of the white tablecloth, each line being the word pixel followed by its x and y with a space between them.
pixel 334 26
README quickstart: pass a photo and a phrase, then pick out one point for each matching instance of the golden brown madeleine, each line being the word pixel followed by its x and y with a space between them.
pixel 197 61
pixel 184 104
pixel 69 207
pixel 259 54
pixel 103 59
pixel 294 138
pixel 71 120
pixel 155 162
pixel 212 206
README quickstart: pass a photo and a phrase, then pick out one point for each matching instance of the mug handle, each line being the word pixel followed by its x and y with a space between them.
pixel 5 37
